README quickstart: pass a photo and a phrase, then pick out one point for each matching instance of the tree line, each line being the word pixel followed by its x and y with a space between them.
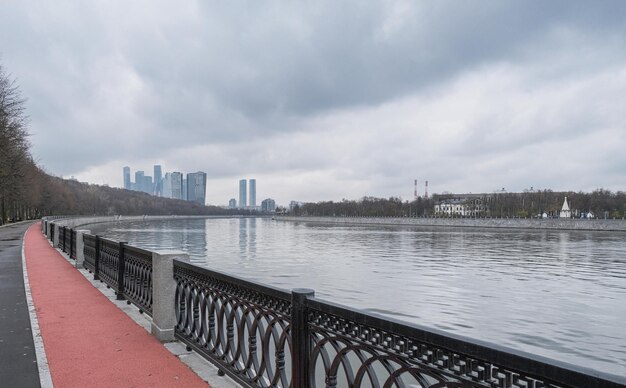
pixel 367 207
pixel 28 192
pixel 602 203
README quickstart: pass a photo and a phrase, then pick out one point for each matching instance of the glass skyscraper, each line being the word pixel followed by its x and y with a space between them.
pixel 243 195
pixel 138 181
pixel 158 183
pixel 196 187
pixel 252 184
pixel 127 178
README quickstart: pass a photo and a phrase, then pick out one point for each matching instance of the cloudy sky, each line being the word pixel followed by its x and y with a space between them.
pixel 326 99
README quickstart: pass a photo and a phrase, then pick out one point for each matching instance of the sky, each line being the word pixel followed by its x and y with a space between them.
pixel 326 100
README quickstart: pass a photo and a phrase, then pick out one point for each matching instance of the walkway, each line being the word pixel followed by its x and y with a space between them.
pixel 18 361
pixel 89 342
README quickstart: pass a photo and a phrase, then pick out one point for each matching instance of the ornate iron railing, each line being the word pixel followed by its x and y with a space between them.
pixel 61 237
pixel 354 348
pixel 138 278
pixel 266 337
pixel 67 240
pixel 242 327
pixel 109 262
pixel 73 244
pixel 89 252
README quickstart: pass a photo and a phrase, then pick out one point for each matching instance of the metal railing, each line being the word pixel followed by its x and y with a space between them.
pixel 125 269
pixel 138 278
pixel 89 252
pixel 267 337
pixel 108 266
pixel 241 326
pixel 263 336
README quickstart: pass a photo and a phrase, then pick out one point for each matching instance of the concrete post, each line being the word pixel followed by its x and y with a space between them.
pixel 164 293
pixel 57 230
pixel 80 248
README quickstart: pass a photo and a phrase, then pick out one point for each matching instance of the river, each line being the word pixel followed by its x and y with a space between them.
pixel 559 294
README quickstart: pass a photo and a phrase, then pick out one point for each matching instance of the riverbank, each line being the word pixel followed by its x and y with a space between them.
pixel 511 223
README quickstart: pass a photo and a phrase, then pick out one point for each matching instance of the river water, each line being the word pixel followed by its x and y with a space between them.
pixel 559 294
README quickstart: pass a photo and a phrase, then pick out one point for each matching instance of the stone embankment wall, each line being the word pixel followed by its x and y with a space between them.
pixel 73 222
pixel 521 223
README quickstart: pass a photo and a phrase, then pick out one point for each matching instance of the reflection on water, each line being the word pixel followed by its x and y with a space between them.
pixel 561 294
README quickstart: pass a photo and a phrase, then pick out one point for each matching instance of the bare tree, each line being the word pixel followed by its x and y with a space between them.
pixel 14 148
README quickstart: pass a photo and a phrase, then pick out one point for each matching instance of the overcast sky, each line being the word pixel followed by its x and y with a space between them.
pixel 326 99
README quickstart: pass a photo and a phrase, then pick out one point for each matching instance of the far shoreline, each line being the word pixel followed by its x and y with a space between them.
pixel 603 225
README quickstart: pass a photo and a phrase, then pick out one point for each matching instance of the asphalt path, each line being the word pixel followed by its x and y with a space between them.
pixel 18 361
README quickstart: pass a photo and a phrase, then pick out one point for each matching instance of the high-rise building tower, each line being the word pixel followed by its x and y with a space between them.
pixel 232 203
pixel 184 195
pixel 147 185
pixel 196 187
pixel 166 183
pixel 252 184
pixel 243 197
pixel 138 181
pixel 158 182
pixel 127 178
pixel 177 185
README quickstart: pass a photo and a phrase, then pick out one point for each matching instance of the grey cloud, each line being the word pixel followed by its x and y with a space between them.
pixel 141 81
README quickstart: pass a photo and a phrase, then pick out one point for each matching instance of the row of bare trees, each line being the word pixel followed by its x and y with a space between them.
pixel 601 203
pixel 16 164
pixel 367 207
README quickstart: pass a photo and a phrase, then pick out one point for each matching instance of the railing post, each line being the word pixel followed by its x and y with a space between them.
pixel 96 259
pixel 80 248
pixel 63 240
pixel 120 272
pixel 71 242
pixel 300 338
pixel 164 294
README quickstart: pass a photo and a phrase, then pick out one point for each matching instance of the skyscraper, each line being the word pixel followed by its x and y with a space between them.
pixel 232 203
pixel 184 194
pixel 252 192
pixel 243 198
pixel 196 187
pixel 166 190
pixel 147 185
pixel 138 181
pixel 127 178
pixel 177 185
pixel 158 183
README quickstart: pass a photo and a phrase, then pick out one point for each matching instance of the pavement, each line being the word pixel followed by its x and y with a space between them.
pixel 18 360
pixel 89 341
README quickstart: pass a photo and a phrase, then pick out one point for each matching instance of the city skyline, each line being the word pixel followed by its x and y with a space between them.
pixel 176 185
pixel 470 98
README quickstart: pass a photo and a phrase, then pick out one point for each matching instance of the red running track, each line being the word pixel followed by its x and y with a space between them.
pixel 89 341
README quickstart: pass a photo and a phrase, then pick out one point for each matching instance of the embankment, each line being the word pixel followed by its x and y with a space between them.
pixel 519 223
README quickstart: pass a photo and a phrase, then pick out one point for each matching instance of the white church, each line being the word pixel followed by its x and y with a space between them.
pixel 565 211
